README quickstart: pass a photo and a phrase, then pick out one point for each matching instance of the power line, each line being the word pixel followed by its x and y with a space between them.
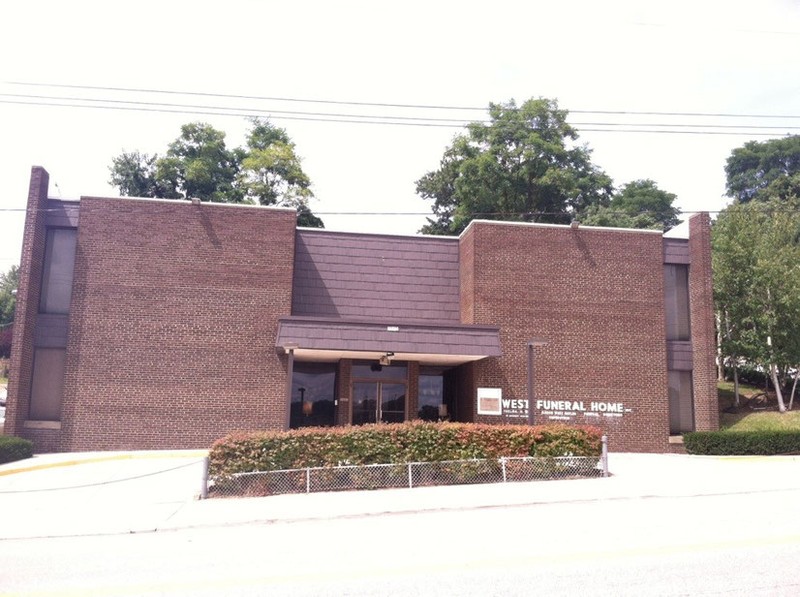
pixel 461 122
pixel 386 104
pixel 244 112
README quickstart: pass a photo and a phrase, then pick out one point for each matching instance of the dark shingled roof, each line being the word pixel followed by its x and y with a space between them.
pixel 339 335
pixel 367 276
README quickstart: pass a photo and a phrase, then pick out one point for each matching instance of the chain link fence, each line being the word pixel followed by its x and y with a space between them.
pixel 411 474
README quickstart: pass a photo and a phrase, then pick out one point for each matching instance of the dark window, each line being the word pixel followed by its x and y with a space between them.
pixel 396 372
pixel 313 395
pixel 59 263
pixel 681 402
pixel 48 384
pixel 433 404
pixel 676 295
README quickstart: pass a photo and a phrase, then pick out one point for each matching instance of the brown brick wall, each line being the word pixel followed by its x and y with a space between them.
pixel 344 392
pixel 174 314
pixel 596 296
pixel 701 309
pixel 30 284
pixel 466 264
pixel 412 391
pixel 44 440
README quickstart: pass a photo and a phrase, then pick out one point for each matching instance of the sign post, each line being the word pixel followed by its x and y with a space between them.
pixel 531 394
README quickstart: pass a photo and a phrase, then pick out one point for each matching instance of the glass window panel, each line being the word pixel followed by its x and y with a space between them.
pixel 395 371
pixel 393 402
pixel 48 384
pixel 431 398
pixel 676 291
pixel 59 264
pixel 313 395
pixel 681 402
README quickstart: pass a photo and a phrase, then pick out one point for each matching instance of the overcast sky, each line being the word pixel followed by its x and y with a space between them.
pixel 707 57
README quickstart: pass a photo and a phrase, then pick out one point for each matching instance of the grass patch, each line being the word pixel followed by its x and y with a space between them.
pixel 760 421
pixel 749 420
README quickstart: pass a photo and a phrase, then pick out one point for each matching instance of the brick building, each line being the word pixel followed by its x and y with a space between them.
pixel 166 324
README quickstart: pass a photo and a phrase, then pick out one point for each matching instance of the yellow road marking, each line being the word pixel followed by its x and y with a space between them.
pixel 128 456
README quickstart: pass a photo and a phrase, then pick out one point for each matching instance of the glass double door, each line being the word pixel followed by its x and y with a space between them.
pixel 378 402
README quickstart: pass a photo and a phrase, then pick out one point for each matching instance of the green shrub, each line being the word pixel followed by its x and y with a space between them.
pixel 763 443
pixel 395 443
pixel 14 448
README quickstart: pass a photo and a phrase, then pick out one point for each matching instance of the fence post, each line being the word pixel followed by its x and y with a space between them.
pixel 605 455
pixel 503 464
pixel 308 480
pixel 410 476
pixel 204 480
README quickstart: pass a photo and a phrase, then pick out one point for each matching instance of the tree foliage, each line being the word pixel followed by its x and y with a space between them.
pixel 9 281
pixel 521 166
pixel 756 262
pixel 198 164
pixel 764 170
pixel 639 204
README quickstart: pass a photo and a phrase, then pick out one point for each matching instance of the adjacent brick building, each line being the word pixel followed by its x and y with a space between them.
pixel 167 324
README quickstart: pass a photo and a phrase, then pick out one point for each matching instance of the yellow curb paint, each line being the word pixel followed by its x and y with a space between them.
pixel 39 467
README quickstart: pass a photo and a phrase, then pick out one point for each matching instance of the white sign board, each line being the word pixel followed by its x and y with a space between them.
pixel 490 401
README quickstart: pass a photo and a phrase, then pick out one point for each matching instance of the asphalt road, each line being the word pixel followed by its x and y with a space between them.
pixel 746 543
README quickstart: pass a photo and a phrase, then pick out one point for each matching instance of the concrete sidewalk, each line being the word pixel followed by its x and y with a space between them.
pixel 60 495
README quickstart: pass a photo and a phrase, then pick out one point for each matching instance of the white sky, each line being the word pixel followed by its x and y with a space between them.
pixel 709 56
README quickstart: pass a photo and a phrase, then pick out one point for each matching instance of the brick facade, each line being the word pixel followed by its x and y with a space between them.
pixel 596 297
pixel 172 323
pixel 173 337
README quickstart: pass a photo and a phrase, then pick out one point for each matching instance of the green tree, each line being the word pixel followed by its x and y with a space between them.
pixel 639 204
pixel 134 174
pixel 521 166
pixel 9 283
pixel 754 167
pixel 198 164
pixel 756 262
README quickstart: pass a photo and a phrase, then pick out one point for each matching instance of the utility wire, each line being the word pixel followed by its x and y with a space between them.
pixel 243 112
pixel 461 121
pixel 382 104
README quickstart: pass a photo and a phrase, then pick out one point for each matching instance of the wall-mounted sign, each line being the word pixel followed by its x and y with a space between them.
pixel 572 410
pixel 515 408
pixel 490 401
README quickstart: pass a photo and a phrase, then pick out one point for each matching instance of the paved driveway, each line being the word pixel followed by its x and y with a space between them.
pixel 96 493
pixel 111 493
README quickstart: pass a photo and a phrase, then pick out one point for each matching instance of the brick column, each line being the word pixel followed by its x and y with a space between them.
pixel 28 293
pixel 701 309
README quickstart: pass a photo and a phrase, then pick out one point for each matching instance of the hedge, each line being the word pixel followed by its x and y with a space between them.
pixel 14 448
pixel 763 443
pixel 396 443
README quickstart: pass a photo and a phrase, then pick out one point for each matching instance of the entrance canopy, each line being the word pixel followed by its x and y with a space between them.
pixel 323 339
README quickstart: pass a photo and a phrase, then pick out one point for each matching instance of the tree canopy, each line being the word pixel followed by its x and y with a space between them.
pixel 639 204
pixel 9 281
pixel 762 170
pixel 521 166
pixel 756 262
pixel 198 164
